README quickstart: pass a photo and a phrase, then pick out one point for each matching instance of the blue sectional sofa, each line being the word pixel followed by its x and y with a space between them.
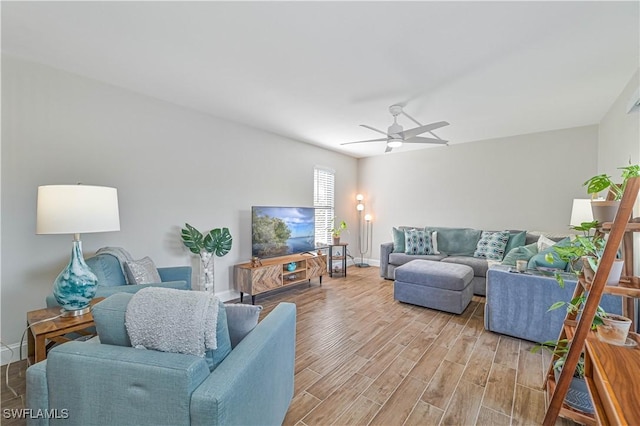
pixel 456 245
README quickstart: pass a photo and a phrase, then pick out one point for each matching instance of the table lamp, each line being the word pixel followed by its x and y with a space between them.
pixel 76 209
pixel 580 212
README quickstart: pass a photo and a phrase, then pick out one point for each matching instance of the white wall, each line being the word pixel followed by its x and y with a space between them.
pixel 170 165
pixel 619 143
pixel 522 182
pixel 619 133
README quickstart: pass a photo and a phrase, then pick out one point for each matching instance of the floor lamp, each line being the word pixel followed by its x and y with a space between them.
pixel 364 231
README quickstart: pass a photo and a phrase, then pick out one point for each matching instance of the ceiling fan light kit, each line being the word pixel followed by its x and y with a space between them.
pixel 396 135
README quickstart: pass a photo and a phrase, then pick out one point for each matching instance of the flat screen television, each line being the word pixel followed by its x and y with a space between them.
pixel 279 231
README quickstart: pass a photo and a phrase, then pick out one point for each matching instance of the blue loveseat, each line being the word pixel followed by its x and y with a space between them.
pixel 87 383
pixel 111 279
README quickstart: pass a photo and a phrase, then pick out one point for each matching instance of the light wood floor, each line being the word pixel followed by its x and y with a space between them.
pixel 365 359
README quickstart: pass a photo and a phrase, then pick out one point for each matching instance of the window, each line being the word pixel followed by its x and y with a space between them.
pixel 323 201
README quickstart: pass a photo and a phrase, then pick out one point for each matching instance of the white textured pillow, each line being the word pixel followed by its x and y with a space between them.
pixel 544 243
pixel 142 271
pixel 434 242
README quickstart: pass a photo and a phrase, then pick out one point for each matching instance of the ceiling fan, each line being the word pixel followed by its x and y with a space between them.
pixel 396 136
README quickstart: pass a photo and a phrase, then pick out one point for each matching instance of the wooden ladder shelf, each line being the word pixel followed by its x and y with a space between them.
pixel 613 404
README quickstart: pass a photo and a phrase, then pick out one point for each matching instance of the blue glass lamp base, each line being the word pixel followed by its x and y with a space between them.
pixel 76 285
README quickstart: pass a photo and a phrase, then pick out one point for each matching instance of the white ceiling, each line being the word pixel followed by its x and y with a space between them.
pixel 314 71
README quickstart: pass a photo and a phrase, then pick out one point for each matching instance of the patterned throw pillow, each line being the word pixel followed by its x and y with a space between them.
pixel 491 245
pixel 417 242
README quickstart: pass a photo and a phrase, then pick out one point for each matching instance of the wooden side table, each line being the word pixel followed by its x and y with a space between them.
pixel 54 330
pixel 342 258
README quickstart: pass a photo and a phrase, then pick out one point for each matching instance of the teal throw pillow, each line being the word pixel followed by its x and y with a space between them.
pixel 516 239
pixel 417 242
pixel 520 253
pixel 491 245
pixel 398 240
pixel 456 241
pixel 540 261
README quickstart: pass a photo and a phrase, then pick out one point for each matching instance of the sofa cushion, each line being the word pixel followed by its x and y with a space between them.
pixel 520 253
pixel 142 271
pixel 107 269
pixel 479 265
pixel 516 239
pixel 491 245
pixel 456 241
pixel 109 317
pixel 417 241
pixel 398 240
pixel 402 258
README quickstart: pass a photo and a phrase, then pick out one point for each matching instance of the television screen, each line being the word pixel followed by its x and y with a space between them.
pixel 279 231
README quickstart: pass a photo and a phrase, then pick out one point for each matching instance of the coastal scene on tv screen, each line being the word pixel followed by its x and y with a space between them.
pixel 279 231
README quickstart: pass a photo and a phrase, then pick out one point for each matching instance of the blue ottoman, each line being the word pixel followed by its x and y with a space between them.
pixel 436 285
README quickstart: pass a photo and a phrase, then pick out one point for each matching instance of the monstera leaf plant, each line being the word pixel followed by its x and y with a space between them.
pixel 216 242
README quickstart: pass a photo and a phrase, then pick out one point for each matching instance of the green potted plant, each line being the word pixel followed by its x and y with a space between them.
pixel 587 248
pixel 579 397
pixel 216 242
pixel 605 210
pixel 337 230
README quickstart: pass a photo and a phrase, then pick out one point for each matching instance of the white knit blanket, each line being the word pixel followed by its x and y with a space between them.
pixel 170 320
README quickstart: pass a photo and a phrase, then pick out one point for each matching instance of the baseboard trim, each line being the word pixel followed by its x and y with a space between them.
pixel 228 295
pixel 5 353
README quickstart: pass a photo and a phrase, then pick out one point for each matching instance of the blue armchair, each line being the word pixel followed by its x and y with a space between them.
pixel 253 385
pixel 111 280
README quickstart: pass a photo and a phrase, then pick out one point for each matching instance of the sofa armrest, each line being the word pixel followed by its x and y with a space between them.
pixel 254 384
pixel 109 384
pixel 37 392
pixel 385 250
pixel 175 273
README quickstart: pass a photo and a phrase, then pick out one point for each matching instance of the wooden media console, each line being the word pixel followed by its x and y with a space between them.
pixel 273 273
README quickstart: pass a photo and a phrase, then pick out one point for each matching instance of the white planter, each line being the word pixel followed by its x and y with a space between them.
pixel 615 329
pixel 616 272
pixel 604 211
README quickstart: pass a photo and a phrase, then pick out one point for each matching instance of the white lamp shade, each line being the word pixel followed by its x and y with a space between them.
pixel 368 217
pixel 359 197
pixel 581 212
pixel 359 207
pixel 76 209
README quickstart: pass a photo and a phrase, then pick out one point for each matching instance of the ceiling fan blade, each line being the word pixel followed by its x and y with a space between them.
pixel 422 129
pixel 370 140
pixel 388 149
pixel 420 139
pixel 373 128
